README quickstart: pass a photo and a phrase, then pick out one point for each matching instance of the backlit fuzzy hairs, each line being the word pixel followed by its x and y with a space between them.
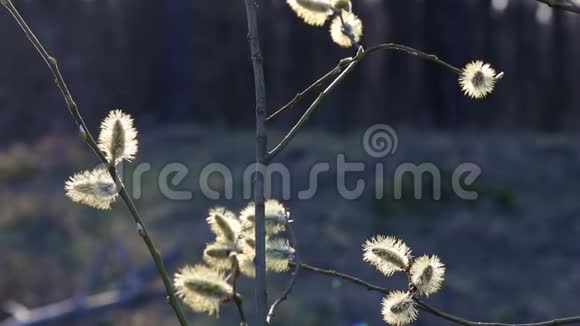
pixel 399 308
pixel 118 141
pixel 477 79
pixel 118 137
pixel 312 12
pixel 224 224
pixel 426 274
pixel 345 29
pixel 202 288
pixel 217 254
pixel 387 254
pixel 279 253
pixel 276 217
pixel 93 188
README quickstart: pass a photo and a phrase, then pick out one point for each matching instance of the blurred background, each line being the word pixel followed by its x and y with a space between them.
pixel 182 69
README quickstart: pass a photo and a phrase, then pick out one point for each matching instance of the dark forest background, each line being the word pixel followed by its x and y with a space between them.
pixel 182 69
pixel 167 61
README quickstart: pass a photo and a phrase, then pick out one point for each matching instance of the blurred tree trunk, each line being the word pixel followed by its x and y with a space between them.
pixel 556 109
pixel 444 37
pixel 177 60
pixel 375 107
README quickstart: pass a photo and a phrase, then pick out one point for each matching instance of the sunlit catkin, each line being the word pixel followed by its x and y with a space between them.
pixel 477 79
pixel 224 224
pixel 202 288
pixel 427 274
pixel 387 254
pixel 93 188
pixel 276 217
pixel 346 29
pixel 118 137
pixel 398 308
pixel 312 12
pixel 217 254
pixel 278 255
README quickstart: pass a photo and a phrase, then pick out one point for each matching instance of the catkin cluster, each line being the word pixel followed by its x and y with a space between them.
pixel 426 274
pixel 233 251
pixel 346 28
pixel 118 141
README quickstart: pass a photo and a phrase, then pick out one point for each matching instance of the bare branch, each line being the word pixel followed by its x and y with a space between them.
pixel 236 297
pixel 356 280
pixel 562 6
pixel 88 138
pixel 349 63
pixel 427 308
pixel 311 109
pixel 413 52
pixel 305 92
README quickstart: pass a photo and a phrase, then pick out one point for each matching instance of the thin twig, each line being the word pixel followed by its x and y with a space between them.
pixel 562 6
pixel 322 79
pixel 361 55
pixel 460 321
pixel 236 297
pixel 261 152
pixel 427 308
pixel 288 290
pixel 329 272
pixel 311 109
pixel 305 92
pixel 88 138
pixel 240 305
pixel 413 52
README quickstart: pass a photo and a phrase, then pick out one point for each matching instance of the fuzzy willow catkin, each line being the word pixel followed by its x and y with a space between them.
pixel 224 224
pixel 387 254
pixel 477 79
pixel 345 29
pixel 427 274
pixel 398 308
pixel 312 12
pixel 203 289
pixel 93 188
pixel 118 137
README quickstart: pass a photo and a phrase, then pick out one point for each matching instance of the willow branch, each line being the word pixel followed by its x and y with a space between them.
pixel 88 138
pixel 349 63
pixel 350 278
pixel 261 152
pixel 301 95
pixel 414 52
pixel 561 6
pixel 336 70
pixel 311 109
pixel 236 297
pixel 429 309
pixel 292 282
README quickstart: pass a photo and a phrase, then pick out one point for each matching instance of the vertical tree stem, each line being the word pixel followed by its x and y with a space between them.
pixel 261 152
